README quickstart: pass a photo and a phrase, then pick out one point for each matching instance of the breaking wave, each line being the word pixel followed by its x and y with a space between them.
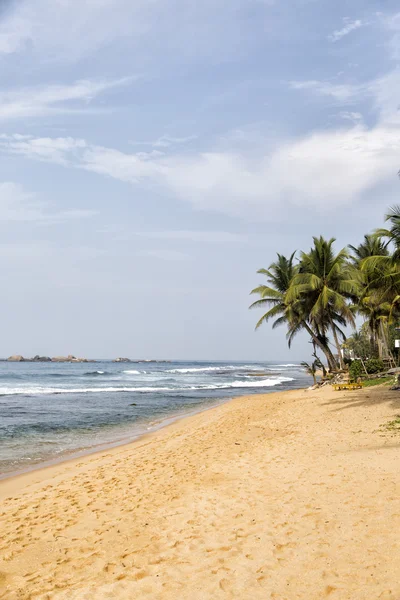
pixel 97 390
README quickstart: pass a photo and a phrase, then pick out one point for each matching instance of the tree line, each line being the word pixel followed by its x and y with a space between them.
pixel 322 291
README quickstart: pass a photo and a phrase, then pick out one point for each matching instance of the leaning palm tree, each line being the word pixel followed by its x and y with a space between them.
pixel 325 284
pixel 273 296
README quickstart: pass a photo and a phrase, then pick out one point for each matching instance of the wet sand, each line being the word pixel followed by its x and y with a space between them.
pixel 290 495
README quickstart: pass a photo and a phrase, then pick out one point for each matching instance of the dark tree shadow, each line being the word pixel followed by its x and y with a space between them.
pixel 367 397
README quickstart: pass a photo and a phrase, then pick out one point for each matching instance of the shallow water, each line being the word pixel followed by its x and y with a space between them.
pixel 50 410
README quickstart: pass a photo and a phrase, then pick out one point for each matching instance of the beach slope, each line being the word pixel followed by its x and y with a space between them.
pixel 292 495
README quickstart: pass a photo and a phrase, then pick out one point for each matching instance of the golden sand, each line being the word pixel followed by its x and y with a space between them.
pixel 292 495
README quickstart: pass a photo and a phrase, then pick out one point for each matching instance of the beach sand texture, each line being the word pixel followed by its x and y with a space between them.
pixel 284 496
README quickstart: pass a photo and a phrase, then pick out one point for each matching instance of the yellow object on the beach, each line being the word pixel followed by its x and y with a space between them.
pixel 347 386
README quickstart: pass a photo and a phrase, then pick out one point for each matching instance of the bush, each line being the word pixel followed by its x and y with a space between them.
pixel 374 365
pixel 356 369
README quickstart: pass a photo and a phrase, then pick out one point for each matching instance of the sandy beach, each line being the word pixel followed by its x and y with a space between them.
pixel 292 495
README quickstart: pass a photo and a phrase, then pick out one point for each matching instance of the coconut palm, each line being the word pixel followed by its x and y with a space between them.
pixel 279 277
pixel 325 284
pixel 371 246
pixel 392 234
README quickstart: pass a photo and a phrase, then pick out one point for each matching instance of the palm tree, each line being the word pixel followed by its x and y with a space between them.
pixel 371 246
pixel 393 233
pixel 279 277
pixel 325 284
pixel 370 304
pixel 311 370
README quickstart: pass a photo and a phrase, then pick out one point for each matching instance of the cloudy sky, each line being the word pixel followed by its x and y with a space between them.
pixel 156 153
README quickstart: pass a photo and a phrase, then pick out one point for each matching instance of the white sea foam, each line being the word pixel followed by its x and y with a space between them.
pixel 28 391
pixel 220 368
pixel 254 384
pixel 33 391
pixel 132 372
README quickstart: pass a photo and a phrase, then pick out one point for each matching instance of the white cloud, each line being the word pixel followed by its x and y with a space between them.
pixel 18 205
pixel 50 99
pixel 324 170
pixel 348 27
pixel 383 92
pixel 344 93
pixel 55 150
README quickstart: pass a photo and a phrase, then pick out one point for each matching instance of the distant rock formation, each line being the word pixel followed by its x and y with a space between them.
pixel 70 358
pixel 58 359
pixel 124 360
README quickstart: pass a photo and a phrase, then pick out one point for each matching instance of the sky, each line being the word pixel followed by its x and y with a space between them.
pixel 154 154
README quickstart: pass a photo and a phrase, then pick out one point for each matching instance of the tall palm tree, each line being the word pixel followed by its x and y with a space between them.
pixel 279 277
pixel 325 284
pixel 381 271
pixel 371 246
pixel 370 304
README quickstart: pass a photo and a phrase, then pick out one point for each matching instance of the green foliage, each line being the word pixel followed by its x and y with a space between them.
pixel 374 365
pixel 356 370
pixel 377 381
pixel 360 344
pixel 323 291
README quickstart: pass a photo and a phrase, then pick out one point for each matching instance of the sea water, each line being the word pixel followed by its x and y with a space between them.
pixel 56 410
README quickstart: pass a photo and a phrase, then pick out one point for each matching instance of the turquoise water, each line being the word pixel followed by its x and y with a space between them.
pixel 52 410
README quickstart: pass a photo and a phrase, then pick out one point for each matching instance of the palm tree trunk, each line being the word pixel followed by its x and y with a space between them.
pixel 337 343
pixel 385 345
pixel 325 349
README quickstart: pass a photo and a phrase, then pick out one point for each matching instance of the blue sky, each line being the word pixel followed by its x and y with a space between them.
pixel 155 154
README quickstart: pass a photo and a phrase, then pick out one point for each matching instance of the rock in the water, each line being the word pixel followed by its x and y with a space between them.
pixel 70 358
pixel 127 360
pixel 38 358
pixel 16 358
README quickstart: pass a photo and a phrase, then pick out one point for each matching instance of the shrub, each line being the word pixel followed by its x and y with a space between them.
pixel 356 369
pixel 374 365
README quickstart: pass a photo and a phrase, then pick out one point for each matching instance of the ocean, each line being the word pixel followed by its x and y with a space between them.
pixel 52 411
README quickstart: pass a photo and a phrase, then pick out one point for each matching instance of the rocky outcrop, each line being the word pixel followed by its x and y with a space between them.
pixel 59 359
pixel 70 358
pixel 123 360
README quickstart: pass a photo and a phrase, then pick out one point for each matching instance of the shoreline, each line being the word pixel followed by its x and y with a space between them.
pixel 79 454
pixel 49 468
pixel 285 495
pixel 138 432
